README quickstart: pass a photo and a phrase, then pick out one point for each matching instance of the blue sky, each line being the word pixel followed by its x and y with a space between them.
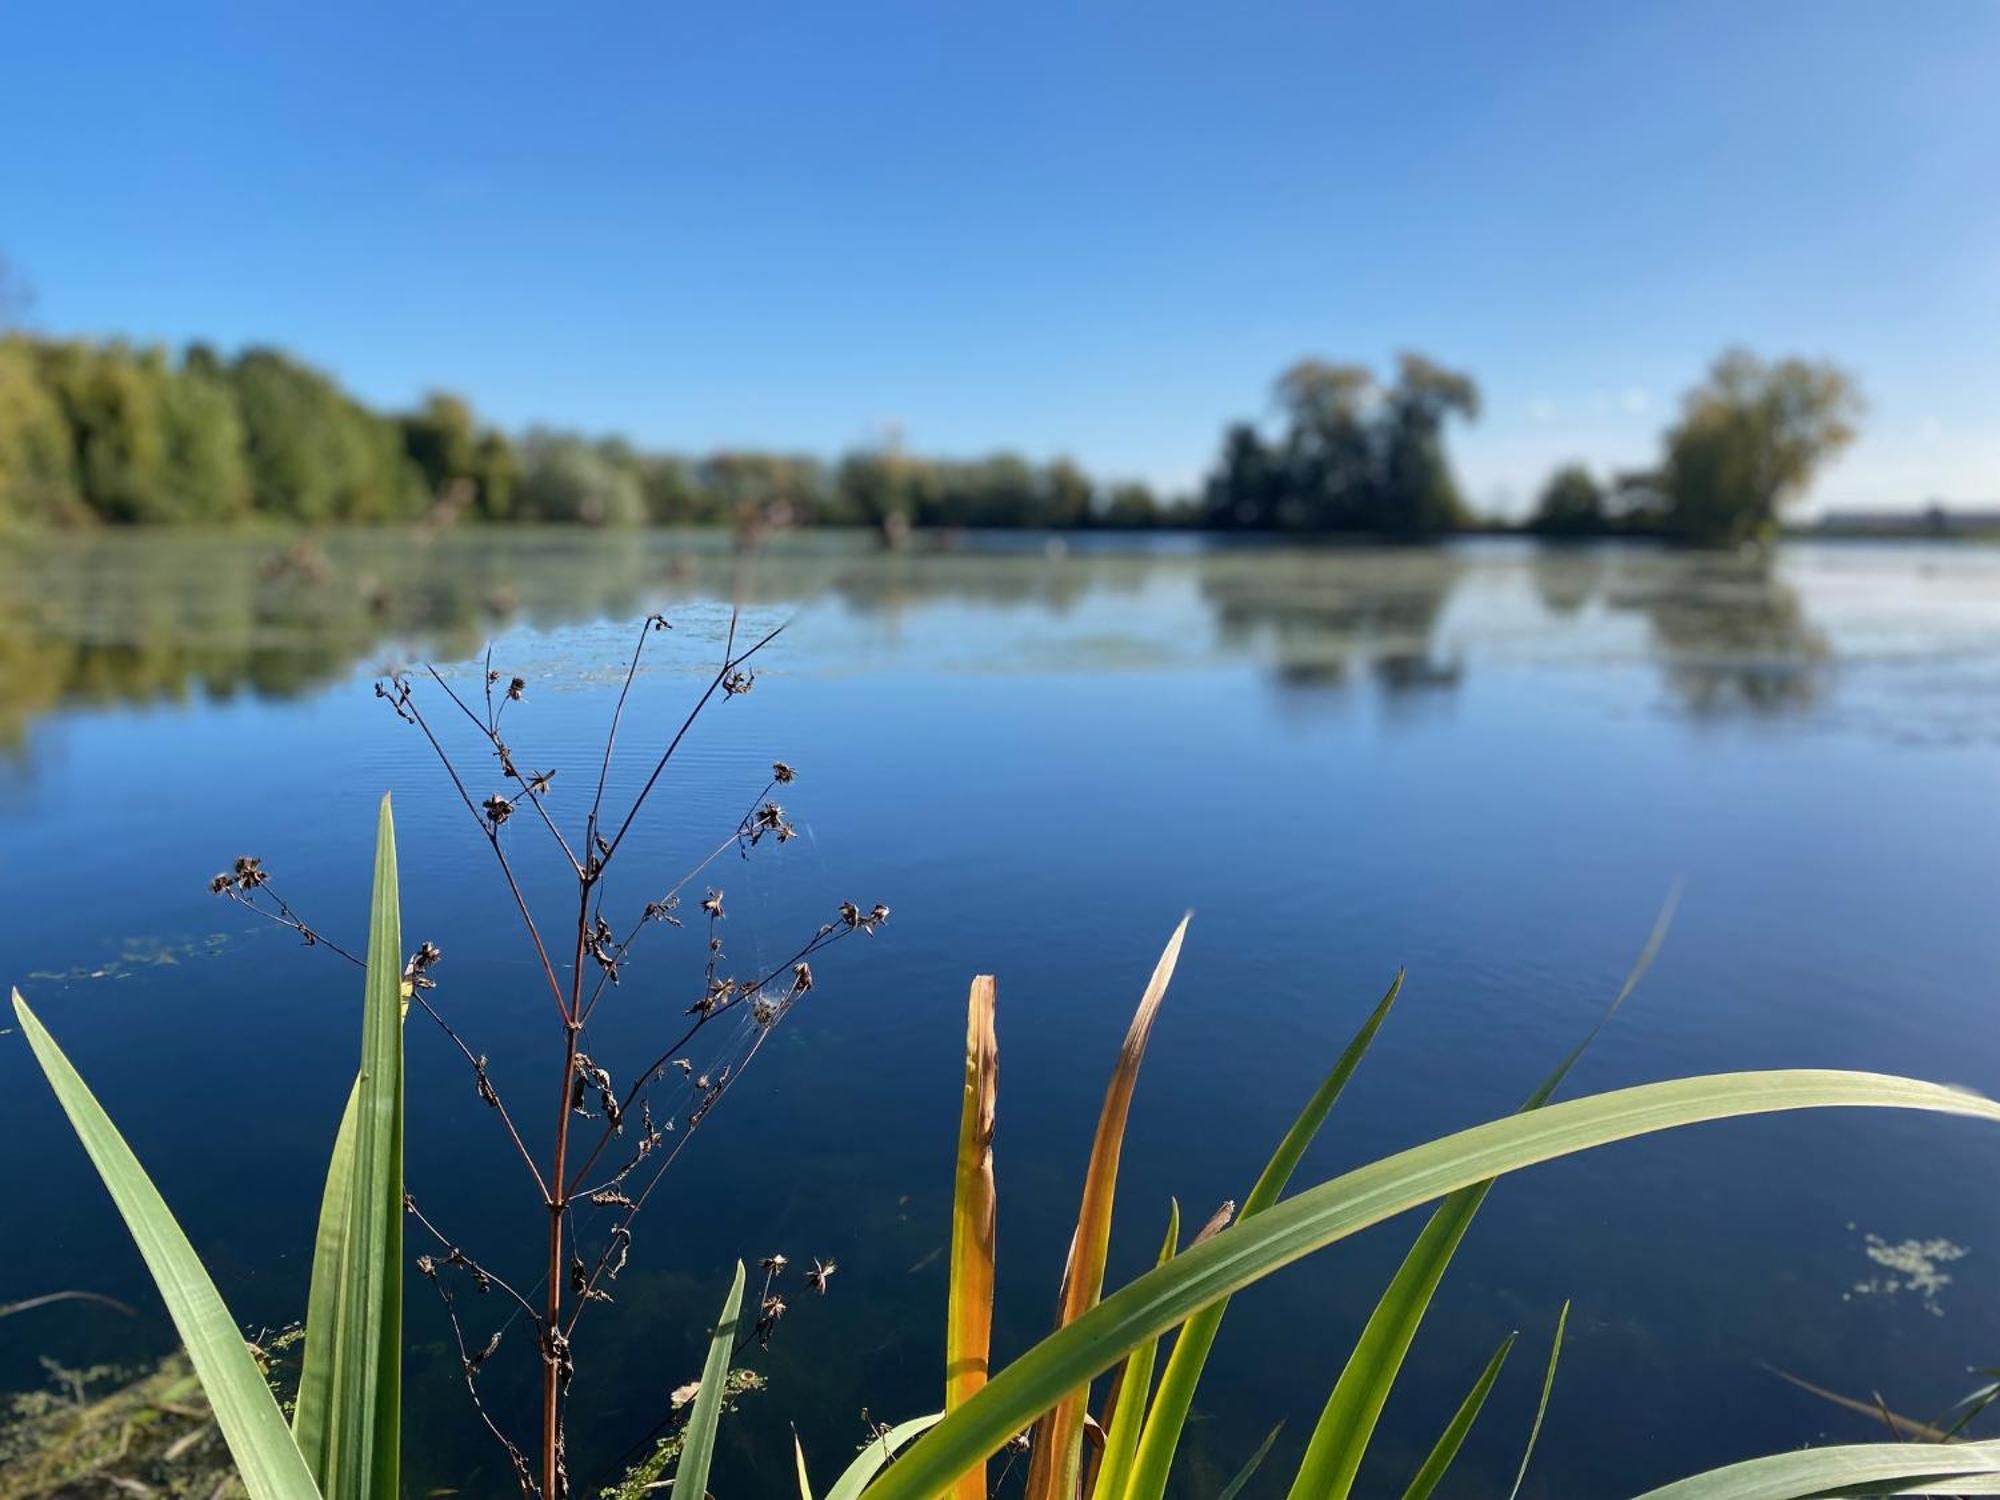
pixel 1087 229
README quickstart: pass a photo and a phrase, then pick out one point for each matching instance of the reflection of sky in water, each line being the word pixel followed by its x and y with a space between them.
pixel 1486 763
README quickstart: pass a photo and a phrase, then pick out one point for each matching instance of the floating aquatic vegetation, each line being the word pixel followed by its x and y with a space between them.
pixel 1909 1266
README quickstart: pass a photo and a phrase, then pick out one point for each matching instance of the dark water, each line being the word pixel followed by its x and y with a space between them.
pixel 1488 764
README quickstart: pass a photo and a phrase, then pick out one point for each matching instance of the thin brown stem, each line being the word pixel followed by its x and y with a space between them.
pixel 646 628
pixel 730 663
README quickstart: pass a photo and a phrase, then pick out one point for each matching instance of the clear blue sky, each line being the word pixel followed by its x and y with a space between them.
pixel 1087 229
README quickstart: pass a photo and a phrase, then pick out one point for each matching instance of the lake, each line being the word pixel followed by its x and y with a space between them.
pixel 1487 763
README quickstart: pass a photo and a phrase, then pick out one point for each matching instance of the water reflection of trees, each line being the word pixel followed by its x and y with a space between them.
pixel 117 618
pixel 1732 636
pixel 1326 619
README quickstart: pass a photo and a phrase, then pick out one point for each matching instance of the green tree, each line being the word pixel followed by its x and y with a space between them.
pixel 568 478
pixel 875 487
pixel 459 463
pixel 1242 494
pixel 1130 507
pixel 1418 495
pixel 315 453
pixel 1572 503
pixel 207 470
pixel 1749 440
pixel 111 403
pixel 1353 457
pixel 1329 457
pixel 38 478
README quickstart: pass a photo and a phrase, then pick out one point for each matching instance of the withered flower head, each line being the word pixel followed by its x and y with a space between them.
pixel 820 1274
pixel 782 773
pixel 764 1010
pixel 516 688
pixel 426 955
pixel 498 808
pixel 712 903
pixel 250 872
pixel 802 978
pixel 739 681
pixel 774 1263
pixel 220 884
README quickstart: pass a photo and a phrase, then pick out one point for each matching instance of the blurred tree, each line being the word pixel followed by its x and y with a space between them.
pixel 568 478
pixel 1329 456
pixel 315 453
pixel 1572 504
pixel 1130 507
pixel 207 469
pixel 443 440
pixel 1065 495
pixel 875 487
pixel 1748 442
pixel 1419 496
pixel 38 478
pixel 1242 494
pixel 111 400
pixel 1354 456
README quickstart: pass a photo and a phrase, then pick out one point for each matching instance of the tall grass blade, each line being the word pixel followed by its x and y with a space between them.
pixel 877 1454
pixel 1855 1469
pixel 1135 1386
pixel 349 1414
pixel 1168 1417
pixel 1244 1475
pixel 1057 1443
pixel 259 1442
pixel 698 1443
pixel 1347 1423
pixel 1542 1406
pixel 799 1456
pixel 1445 1450
pixel 1163 1298
pixel 969 1307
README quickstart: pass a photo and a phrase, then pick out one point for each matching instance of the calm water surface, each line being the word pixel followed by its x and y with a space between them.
pixel 1489 764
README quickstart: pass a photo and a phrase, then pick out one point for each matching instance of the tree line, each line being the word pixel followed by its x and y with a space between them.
pixel 114 432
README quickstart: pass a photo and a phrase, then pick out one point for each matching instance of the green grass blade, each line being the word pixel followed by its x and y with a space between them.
pixel 348 1420
pixel 329 1271
pixel 1854 1469
pixel 259 1442
pixel 1347 1423
pixel 870 1461
pixel 1542 1406
pixel 1161 1435
pixel 1135 1386
pixel 1453 1437
pixel 698 1445
pixel 1288 1231
pixel 1243 1475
